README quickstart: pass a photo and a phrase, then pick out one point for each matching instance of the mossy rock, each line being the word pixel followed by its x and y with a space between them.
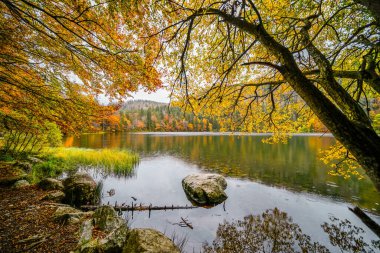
pixel 70 215
pixel 148 241
pixel 106 219
pixel 55 196
pixel 80 189
pixel 112 227
pixel 21 184
pixel 10 175
pixel 50 184
pixel 25 166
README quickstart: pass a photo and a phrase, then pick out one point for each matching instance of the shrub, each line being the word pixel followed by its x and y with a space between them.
pixel 23 140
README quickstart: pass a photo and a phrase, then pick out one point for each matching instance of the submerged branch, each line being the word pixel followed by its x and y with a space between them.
pixel 139 207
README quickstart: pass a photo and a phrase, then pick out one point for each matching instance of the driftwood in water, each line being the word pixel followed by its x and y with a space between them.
pixel 140 207
pixel 186 223
pixel 366 220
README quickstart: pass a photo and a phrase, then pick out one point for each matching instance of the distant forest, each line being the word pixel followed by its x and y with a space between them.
pixel 143 115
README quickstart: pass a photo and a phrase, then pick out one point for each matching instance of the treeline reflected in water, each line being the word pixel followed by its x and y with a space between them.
pixel 274 231
pixel 294 165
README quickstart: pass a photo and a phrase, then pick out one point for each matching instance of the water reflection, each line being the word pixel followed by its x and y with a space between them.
pixel 274 231
pixel 158 182
pixel 294 166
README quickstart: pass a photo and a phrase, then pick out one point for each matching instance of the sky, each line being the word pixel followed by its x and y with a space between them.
pixel 160 95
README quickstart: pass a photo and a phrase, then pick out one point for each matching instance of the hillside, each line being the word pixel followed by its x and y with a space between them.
pixel 135 105
pixel 145 115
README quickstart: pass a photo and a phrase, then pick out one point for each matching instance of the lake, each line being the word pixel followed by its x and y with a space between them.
pixel 260 176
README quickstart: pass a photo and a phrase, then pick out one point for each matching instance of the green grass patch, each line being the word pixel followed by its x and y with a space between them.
pixel 118 162
pixel 50 167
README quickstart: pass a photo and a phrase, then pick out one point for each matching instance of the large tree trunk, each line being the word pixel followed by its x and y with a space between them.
pixel 361 140
pixel 373 6
pixel 328 82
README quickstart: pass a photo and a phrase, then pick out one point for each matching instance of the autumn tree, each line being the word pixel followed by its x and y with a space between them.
pixel 270 60
pixel 56 57
pixel 149 122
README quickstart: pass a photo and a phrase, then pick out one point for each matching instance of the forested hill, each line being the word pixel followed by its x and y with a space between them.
pixel 135 105
pixel 144 115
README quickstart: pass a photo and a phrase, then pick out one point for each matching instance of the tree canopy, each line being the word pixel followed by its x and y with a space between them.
pixel 56 57
pixel 267 65
pixel 267 61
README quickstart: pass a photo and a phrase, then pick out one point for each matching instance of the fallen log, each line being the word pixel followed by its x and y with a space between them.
pixel 140 207
pixel 366 220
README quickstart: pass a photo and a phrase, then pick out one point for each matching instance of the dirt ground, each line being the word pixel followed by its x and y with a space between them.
pixel 26 223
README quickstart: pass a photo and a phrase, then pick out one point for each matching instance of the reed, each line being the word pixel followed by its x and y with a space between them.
pixel 119 162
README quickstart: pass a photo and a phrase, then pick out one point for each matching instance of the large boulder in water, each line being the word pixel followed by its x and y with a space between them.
pixel 148 241
pixel 205 189
pixel 80 189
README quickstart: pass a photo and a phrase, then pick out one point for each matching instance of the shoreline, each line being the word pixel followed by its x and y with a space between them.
pixel 317 134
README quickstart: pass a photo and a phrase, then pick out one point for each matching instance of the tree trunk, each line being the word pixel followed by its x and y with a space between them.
pixel 328 82
pixel 373 6
pixel 360 140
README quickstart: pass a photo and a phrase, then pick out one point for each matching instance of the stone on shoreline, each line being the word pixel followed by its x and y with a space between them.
pixel 20 184
pixel 55 196
pixel 80 189
pixel 50 184
pixel 112 227
pixel 148 241
pixel 11 175
pixel 70 215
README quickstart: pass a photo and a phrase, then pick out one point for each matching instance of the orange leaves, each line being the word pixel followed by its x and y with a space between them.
pixel 57 56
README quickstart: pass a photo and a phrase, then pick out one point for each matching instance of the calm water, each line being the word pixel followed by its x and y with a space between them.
pixel 259 176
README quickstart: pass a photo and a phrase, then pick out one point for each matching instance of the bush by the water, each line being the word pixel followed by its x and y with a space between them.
pixel 21 141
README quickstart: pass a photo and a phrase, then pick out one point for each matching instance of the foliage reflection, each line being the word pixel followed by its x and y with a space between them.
pixel 295 165
pixel 274 231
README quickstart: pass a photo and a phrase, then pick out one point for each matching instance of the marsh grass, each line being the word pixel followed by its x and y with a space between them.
pixel 180 241
pixel 118 162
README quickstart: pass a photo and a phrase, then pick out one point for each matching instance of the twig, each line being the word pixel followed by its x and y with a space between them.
pixel 187 223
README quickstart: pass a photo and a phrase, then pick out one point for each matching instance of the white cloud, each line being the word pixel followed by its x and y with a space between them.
pixel 161 95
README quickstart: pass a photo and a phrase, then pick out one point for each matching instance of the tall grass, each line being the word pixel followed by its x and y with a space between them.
pixel 118 162
pixel 180 241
